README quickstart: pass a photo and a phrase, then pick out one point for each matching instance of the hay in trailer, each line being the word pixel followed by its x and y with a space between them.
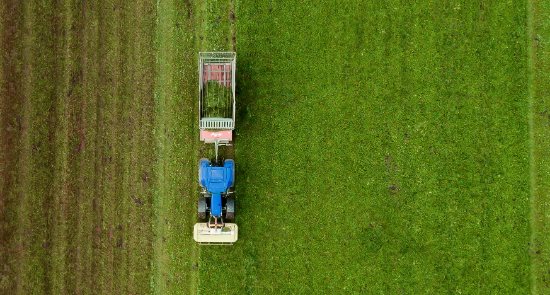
pixel 217 101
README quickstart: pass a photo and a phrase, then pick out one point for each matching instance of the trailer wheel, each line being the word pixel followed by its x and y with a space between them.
pixel 230 209
pixel 201 208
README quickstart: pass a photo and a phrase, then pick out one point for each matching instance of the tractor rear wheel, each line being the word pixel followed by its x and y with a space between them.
pixel 201 208
pixel 230 209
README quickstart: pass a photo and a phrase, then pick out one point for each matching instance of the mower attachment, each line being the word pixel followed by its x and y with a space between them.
pixel 204 233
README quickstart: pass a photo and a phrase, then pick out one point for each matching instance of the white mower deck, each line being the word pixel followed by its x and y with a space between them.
pixel 216 236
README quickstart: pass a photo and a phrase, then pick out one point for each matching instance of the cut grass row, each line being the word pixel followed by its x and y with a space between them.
pixel 175 253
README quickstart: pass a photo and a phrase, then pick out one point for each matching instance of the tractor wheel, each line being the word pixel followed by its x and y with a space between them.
pixel 230 209
pixel 201 210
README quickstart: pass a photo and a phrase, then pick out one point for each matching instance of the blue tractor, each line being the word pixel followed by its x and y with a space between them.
pixel 216 203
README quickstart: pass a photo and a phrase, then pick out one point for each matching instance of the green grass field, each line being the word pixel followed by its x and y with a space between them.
pixel 540 141
pixel 380 147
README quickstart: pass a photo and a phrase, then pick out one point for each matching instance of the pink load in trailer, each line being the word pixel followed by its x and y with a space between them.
pixel 213 136
pixel 222 73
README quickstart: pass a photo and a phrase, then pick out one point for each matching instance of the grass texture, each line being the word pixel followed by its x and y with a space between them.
pixel 380 147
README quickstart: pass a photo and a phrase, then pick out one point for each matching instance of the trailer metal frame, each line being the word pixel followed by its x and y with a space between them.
pixel 219 67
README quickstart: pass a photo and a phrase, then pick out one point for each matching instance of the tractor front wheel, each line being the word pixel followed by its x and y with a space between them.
pixel 230 209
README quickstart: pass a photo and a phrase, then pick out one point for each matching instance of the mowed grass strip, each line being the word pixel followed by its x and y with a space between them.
pixel 10 139
pixel 11 108
pixel 539 40
pixel 80 97
pixel 176 137
pixel 123 208
pixel 141 164
pixel 59 215
pixel 37 149
pixel 381 149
